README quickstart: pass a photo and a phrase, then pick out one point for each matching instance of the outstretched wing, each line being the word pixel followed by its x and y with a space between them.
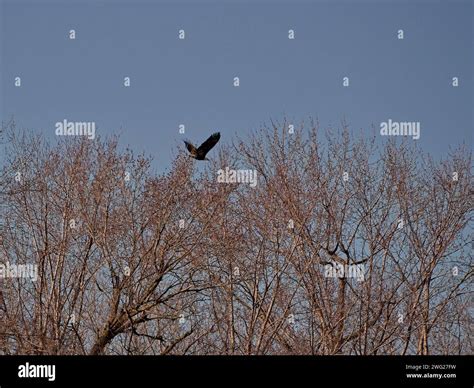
pixel 192 150
pixel 205 147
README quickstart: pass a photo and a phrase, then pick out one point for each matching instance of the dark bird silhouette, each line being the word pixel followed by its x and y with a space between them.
pixel 201 152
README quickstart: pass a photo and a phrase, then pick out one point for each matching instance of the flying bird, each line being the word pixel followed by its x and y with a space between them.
pixel 201 152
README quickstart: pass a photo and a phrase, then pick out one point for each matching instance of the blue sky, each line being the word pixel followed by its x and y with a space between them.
pixel 190 81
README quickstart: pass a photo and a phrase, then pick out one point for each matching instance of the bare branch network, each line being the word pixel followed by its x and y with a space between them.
pixel 343 246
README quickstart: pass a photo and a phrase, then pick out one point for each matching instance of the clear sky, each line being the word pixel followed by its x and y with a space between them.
pixel 190 81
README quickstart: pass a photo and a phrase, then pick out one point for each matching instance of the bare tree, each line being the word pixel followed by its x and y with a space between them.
pixel 345 245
